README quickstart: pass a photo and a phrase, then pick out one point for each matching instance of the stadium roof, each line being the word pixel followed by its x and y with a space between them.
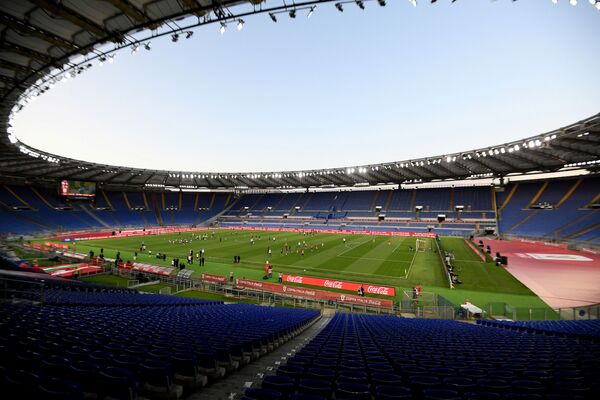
pixel 43 41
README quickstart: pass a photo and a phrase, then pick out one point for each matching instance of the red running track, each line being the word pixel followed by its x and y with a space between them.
pixel 559 276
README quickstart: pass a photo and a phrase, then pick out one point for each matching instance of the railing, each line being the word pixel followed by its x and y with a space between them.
pixel 572 244
pixel 504 310
pixel 18 290
pixel 439 310
pixel 579 313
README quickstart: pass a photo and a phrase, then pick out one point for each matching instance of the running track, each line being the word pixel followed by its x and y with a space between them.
pixel 571 282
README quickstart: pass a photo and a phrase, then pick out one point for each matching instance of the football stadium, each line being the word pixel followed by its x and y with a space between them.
pixel 222 200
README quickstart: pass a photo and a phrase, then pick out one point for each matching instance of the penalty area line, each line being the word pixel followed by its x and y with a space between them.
pixel 411 264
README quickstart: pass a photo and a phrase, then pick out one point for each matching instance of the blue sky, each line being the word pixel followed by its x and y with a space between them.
pixel 338 89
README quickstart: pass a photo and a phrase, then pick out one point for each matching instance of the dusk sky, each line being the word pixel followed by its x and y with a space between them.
pixel 334 90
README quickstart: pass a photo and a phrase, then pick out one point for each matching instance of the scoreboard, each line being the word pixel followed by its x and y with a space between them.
pixel 77 189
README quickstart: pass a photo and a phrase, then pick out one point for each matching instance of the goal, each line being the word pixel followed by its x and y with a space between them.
pixel 421 245
pixel 165 290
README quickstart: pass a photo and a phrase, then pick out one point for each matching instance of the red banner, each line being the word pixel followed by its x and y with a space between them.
pixel 58 245
pixel 313 293
pixel 330 283
pixel 214 278
pixel 336 231
pixel 87 235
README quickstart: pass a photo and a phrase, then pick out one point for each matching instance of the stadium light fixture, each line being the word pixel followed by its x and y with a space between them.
pixel 382 2
pixel 598 5
pixel 293 13
pixel 573 2
pixel 273 17
pixel 147 46
pixel 311 11
pixel 222 27
pixel 413 2
pixel 189 34
pixel 111 59
pixel 339 7
pixel 554 1
pixel 174 37
pixel 360 4
pixel 102 60
pixel 240 24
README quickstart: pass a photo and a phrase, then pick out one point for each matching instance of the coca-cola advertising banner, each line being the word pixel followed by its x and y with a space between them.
pixel 313 293
pixel 333 284
pixel 214 278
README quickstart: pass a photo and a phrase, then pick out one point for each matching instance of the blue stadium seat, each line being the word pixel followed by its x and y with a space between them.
pixel 261 394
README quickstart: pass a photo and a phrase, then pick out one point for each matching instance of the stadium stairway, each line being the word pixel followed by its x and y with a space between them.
pixel 156 207
pixel 86 210
pixel 253 373
pixel 584 231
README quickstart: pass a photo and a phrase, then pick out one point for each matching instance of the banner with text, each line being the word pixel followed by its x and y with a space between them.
pixel 214 278
pixel 333 284
pixel 313 293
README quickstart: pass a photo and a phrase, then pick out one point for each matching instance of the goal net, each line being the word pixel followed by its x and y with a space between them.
pixel 421 245
pixel 165 290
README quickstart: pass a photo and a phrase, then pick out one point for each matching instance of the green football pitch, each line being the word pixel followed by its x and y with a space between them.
pixel 383 260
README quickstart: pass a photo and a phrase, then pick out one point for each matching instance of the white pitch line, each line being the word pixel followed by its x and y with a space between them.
pixel 373 259
pixel 396 248
pixel 352 248
pixel 411 263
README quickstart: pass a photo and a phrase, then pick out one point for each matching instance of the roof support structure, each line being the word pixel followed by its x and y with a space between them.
pixel 60 10
pixel 28 29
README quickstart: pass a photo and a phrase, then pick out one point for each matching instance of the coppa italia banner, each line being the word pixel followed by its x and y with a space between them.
pixel 313 293
pixel 351 286
pixel 214 278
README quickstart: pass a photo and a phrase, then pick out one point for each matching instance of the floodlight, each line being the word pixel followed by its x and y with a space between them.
pixel 240 24
pixel 413 2
pixel 573 2
pixel 293 14
pixel 189 34
pixel 339 7
pixel 174 37
pixel 311 12
pixel 102 59
pixel 147 46
pixel 223 27
pixel 273 17
pixel 111 59
pixel 360 4
pixel 382 2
